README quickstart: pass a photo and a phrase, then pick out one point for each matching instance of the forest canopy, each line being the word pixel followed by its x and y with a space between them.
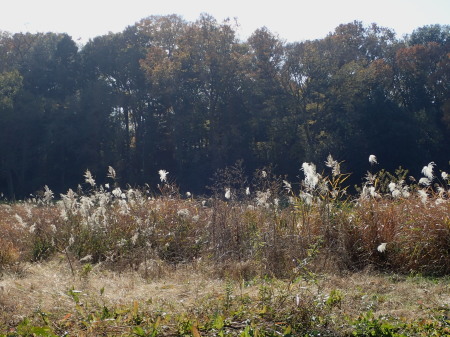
pixel 191 98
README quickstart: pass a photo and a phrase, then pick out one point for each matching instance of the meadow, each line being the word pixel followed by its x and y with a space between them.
pixel 260 256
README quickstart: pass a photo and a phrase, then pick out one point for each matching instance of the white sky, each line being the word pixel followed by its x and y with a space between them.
pixel 293 20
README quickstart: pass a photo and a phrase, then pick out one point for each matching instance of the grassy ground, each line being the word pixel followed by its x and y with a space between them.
pixel 45 299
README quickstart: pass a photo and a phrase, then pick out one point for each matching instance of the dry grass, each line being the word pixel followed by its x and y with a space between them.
pixel 99 252
pixel 192 290
pixel 46 286
pixel 408 298
pixel 262 240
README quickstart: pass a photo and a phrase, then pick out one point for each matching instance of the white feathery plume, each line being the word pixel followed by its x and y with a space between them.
pixel 424 181
pixel 262 198
pixel 111 173
pixel 392 186
pixel 88 178
pixel 117 192
pixel 427 171
pixel 48 194
pixel 423 195
pixel 382 248
pixel 163 175
pixel 334 165
pixel 311 176
pixel 227 193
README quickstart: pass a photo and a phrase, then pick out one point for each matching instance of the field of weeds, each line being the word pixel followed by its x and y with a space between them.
pixel 260 257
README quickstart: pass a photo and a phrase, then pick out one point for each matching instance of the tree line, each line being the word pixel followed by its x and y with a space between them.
pixel 191 98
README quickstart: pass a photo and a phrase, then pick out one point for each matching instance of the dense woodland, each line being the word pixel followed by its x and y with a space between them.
pixel 191 98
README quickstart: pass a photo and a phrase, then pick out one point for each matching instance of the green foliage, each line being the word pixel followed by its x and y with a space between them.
pixel 87 268
pixel 10 84
pixel 367 325
pixel 334 299
pixel 27 329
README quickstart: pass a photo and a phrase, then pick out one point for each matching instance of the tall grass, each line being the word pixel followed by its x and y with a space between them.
pixel 260 225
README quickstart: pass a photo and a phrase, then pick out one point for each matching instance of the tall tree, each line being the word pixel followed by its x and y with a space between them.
pixel 36 150
pixel 114 60
pixel 10 85
pixel 266 98
pixel 198 82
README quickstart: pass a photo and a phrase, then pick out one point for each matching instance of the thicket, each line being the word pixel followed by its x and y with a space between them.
pixel 263 226
pixel 191 98
pixel 260 231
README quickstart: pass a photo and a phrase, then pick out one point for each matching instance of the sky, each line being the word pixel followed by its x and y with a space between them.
pixel 292 20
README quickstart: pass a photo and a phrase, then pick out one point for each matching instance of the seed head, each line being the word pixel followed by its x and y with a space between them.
pixel 163 175
pixel 88 178
pixel 287 185
pixel 382 248
pixel 373 159
pixel 311 176
pixel 427 171
pixel 334 165
pixel 111 173
pixel 424 181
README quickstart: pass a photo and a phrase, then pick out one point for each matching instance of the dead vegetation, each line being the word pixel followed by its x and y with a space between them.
pixel 312 258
